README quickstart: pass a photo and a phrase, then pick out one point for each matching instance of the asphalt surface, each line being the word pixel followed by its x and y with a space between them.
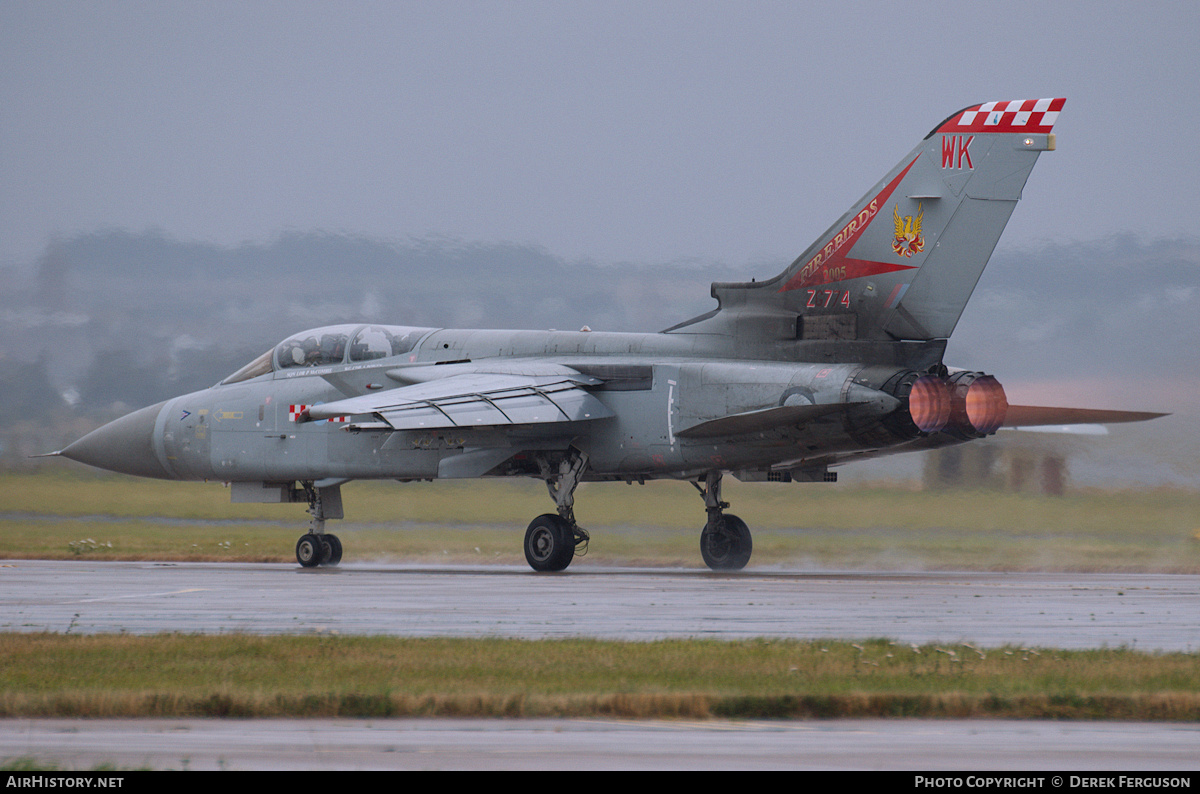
pixel 459 744
pixel 1143 611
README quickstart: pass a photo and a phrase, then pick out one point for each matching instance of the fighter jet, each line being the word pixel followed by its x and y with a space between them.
pixel 837 358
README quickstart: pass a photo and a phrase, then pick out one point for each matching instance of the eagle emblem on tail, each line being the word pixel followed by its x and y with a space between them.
pixel 909 239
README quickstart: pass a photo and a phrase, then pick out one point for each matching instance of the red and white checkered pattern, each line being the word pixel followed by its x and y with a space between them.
pixel 294 412
pixel 1018 115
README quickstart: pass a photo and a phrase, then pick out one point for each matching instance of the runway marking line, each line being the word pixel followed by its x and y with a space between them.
pixel 140 595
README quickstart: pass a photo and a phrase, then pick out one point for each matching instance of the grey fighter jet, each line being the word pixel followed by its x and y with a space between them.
pixel 838 358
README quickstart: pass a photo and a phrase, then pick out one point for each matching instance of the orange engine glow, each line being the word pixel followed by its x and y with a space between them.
pixel 929 403
pixel 979 404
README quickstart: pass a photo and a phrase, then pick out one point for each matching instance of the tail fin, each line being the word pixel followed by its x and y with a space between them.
pixel 903 261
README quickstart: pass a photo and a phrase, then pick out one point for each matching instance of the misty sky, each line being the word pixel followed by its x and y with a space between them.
pixel 614 131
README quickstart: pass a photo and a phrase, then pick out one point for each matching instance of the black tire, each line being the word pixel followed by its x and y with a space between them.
pixel 726 546
pixel 335 549
pixel 310 550
pixel 549 543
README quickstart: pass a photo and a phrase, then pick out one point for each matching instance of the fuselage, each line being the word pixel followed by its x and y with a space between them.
pixel 656 387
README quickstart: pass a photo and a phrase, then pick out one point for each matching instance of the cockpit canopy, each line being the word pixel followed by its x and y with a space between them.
pixel 334 344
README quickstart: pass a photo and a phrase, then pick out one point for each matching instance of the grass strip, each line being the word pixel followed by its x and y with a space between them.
pixel 61 516
pixel 55 675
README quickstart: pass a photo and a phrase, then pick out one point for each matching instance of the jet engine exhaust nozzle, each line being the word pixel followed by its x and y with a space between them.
pixel 979 404
pixel 929 403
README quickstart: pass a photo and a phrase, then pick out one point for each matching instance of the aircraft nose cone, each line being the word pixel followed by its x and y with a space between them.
pixel 125 445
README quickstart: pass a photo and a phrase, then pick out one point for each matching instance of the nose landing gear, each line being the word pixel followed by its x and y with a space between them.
pixel 319 547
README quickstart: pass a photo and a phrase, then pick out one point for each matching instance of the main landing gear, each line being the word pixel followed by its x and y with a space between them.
pixel 551 540
pixel 319 547
pixel 725 542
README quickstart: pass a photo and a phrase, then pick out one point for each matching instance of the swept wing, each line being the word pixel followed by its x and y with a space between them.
pixel 476 399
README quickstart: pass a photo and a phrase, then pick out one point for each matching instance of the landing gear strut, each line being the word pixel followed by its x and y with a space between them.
pixel 319 547
pixel 551 540
pixel 725 542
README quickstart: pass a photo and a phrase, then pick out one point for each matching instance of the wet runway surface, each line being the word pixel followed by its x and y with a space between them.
pixel 992 745
pixel 1062 610
pixel 1143 611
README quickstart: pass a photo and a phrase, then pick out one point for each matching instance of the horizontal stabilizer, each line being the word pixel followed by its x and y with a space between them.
pixel 1036 416
pixel 475 400
pixel 758 421
pixel 1064 430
